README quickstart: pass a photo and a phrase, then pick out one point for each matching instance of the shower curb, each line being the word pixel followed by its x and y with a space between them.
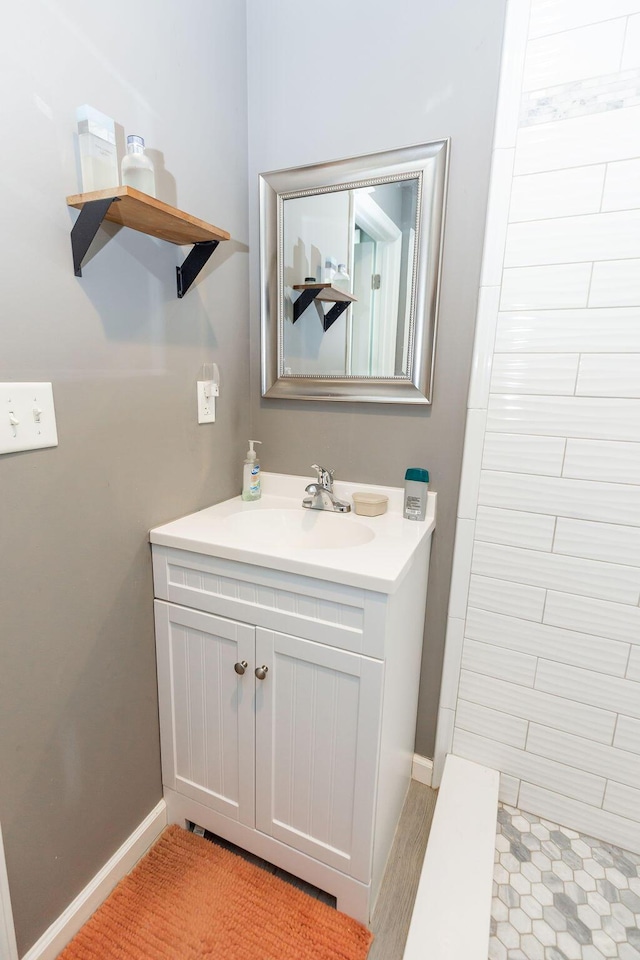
pixel 452 911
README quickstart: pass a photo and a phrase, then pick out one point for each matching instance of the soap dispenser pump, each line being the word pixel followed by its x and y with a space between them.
pixel 251 474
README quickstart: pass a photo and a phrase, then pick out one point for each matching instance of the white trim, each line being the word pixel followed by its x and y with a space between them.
pixel 8 947
pixel 502 158
pixel 422 769
pixel 457 872
pixel 97 890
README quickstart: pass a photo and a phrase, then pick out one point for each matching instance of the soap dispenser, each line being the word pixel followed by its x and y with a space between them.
pixel 251 474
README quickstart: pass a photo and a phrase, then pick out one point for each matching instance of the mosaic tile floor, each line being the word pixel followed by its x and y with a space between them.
pixel 559 895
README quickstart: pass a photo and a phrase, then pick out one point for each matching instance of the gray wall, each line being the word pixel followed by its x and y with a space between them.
pixel 79 754
pixel 354 79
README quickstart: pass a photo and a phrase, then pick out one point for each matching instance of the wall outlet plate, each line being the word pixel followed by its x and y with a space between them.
pixel 206 405
pixel 27 417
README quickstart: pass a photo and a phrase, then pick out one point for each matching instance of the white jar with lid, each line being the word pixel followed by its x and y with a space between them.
pixel 416 488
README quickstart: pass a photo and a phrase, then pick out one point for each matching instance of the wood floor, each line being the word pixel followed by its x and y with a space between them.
pixel 392 915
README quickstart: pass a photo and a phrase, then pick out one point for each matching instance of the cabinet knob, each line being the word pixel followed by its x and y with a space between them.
pixel 262 671
pixel 240 667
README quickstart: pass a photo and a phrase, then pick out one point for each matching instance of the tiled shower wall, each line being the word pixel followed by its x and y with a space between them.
pixel 542 666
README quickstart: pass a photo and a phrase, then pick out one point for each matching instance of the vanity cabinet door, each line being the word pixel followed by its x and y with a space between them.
pixel 318 713
pixel 206 708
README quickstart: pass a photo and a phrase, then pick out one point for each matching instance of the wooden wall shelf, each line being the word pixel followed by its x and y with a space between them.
pixel 137 210
pixel 323 292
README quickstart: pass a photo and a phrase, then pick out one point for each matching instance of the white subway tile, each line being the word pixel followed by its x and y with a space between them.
pixel 597 758
pixel 609 374
pixel 509 788
pixel 595 138
pixel 535 373
pixel 580 816
pixel 607 581
pixel 515 453
pixel 497 216
pixel 561 193
pixel 491 723
pixel 618 621
pixel 498 662
pixel 452 660
pixel 598 330
pixel 622 799
pixel 514 45
pixel 587 686
pixel 578 54
pixel 515 528
pixel 553 16
pixel 461 570
pixel 527 766
pixel 611 542
pixel 552 643
pixel 633 670
pixel 622 185
pixel 509 598
pixel 532 704
pixel 542 288
pixel 615 283
pixel 589 418
pixel 559 496
pixel 627 734
pixel 599 236
pixel 631 54
pixel 471 464
pixel 601 460
pixel 486 322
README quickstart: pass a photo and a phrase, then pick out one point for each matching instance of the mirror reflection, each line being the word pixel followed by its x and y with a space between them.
pixel 348 265
pixel 350 256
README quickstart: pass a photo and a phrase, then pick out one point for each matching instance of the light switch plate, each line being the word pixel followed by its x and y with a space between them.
pixel 27 417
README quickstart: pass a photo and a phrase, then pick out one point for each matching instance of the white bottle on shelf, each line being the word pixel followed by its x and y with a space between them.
pixel 341 279
pixel 137 168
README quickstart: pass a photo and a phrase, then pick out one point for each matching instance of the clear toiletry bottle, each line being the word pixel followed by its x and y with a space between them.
pixel 137 168
pixel 416 487
pixel 341 279
pixel 251 474
pixel 97 142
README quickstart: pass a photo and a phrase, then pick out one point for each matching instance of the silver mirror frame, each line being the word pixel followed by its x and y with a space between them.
pixel 429 163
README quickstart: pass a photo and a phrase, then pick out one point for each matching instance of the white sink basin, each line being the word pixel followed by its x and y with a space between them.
pixel 278 533
pixel 298 528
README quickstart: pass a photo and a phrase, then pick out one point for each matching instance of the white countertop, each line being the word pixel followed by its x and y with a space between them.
pixel 377 564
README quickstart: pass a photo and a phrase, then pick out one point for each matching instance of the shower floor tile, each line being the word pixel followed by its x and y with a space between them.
pixel 560 895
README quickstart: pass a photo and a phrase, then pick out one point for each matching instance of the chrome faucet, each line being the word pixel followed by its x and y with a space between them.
pixel 321 495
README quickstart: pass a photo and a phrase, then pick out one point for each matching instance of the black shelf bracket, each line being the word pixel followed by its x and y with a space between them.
pixel 332 315
pixel 85 228
pixel 196 260
pixel 329 318
pixel 303 301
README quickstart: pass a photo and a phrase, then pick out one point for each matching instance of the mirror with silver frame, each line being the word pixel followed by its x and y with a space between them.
pixel 350 255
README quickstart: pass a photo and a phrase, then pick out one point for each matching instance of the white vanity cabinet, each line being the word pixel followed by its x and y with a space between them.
pixel 292 754
pixel 288 707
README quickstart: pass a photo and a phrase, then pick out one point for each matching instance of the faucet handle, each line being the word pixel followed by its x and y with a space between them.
pixel 325 477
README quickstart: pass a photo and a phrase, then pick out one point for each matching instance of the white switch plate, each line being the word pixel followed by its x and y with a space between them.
pixel 206 405
pixel 27 417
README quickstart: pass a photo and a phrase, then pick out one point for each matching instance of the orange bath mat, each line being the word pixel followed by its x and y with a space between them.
pixel 189 899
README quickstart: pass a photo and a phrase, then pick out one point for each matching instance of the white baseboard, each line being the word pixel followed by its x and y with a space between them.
pixel 422 769
pixel 8 948
pixel 62 930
